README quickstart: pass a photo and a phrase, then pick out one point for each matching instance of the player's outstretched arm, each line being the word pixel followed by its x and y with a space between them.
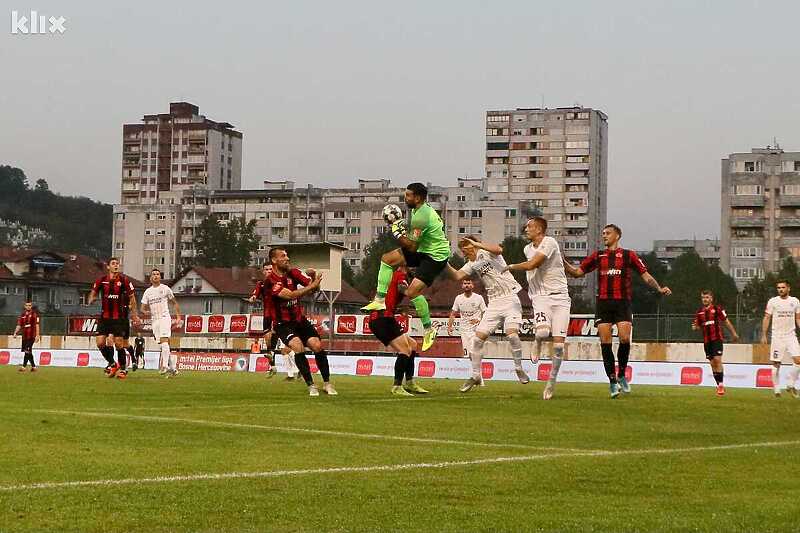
pixel 457 275
pixel 734 335
pixel 573 271
pixel 494 249
pixel 530 264
pixel 92 297
pixel 650 280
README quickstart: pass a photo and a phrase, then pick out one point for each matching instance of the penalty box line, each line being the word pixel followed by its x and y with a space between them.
pixel 312 431
pixel 383 468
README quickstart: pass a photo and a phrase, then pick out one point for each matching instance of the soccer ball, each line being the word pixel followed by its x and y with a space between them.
pixel 392 213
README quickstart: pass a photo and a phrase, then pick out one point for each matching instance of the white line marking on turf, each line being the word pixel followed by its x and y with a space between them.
pixel 370 436
pixel 382 468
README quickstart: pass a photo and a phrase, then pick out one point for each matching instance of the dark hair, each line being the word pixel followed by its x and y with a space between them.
pixel 615 228
pixel 419 189
pixel 463 240
pixel 541 221
pixel 159 272
pixel 785 282
pixel 274 250
pixel 112 259
pixel 707 291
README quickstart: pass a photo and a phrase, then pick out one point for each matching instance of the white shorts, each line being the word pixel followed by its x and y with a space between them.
pixel 466 341
pixel 162 327
pixel 505 312
pixel 783 346
pixel 552 312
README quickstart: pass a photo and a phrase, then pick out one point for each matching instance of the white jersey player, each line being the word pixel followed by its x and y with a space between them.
pixel 784 311
pixel 504 309
pixel 155 301
pixel 470 308
pixel 547 287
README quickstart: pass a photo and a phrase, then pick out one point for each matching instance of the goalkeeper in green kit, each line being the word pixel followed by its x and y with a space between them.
pixel 426 249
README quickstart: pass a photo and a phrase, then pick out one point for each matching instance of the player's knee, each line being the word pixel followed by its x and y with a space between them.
pixel 542 332
pixel 514 341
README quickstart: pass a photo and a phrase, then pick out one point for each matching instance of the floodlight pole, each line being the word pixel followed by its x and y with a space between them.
pixel 330 297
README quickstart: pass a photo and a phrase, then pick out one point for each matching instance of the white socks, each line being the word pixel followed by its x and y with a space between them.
pixel 516 350
pixel 558 356
pixel 537 351
pixel 291 367
pixel 776 379
pixel 476 357
pixel 164 360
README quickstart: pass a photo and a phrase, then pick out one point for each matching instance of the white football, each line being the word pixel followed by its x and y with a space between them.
pixel 392 213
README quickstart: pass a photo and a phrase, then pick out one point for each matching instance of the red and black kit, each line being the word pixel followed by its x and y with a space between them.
pixel 27 322
pixel 383 323
pixel 710 320
pixel 614 283
pixel 288 316
pixel 114 293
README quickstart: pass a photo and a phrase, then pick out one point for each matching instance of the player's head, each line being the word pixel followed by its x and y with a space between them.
pixel 279 258
pixel 467 286
pixel 535 227
pixel 467 249
pixel 113 265
pixel 28 306
pixel 611 234
pixel 783 288
pixel 266 269
pixel 707 297
pixel 155 277
pixel 416 195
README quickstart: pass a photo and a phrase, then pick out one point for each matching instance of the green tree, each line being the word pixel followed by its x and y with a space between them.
pixel 41 185
pixel 365 281
pixel 348 274
pixel 688 277
pixel 225 245
pixel 514 252
pixel 645 300
pixel 758 290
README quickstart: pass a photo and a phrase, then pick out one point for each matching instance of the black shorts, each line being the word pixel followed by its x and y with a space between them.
pixel 386 329
pixel 119 327
pixel 27 344
pixel 613 311
pixel 303 330
pixel 426 269
pixel 713 349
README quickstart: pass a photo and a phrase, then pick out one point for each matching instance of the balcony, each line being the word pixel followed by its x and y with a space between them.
pixel 130 192
pixel 130 162
pixel 789 222
pixel 197 148
pixel 789 201
pixel 748 222
pixel 747 200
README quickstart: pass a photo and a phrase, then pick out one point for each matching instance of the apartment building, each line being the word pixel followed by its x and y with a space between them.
pixel 760 212
pixel 554 161
pixel 668 250
pixel 164 157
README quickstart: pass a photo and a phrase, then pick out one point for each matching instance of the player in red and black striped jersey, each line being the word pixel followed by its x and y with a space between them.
pixel 710 318
pixel 28 326
pixel 615 266
pixel 385 327
pixel 118 303
pixel 270 338
pixel 283 287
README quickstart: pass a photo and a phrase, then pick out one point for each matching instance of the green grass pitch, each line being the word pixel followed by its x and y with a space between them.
pixel 239 452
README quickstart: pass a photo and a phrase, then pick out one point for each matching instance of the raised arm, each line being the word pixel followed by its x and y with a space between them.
pixel 286 294
pixel 530 264
pixel 494 249
pixel 457 275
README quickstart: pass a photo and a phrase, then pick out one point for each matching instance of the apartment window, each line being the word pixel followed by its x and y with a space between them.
pixel 583 115
pixel 746 251
pixel 335 231
pixel 497 146
pixel 161 217
pixel 742 212
pixel 791 190
pixel 354 230
pixel 556 188
pixel 747 189
pixel 354 246
pixel 476 213
pixel 67 300
pixel 749 166
pixel 119 216
pixel 511 213
pixel 493 132
pixel 497 118
pixel 747 273
pixel 462 231
pixel 575 245
pixel 148 232
pixel 555 203
pixel 797 166
pixel 338 214
pixel 120 246
pixel 161 246
pixel 519 146
pixel 517 131
pixel 208 306
pixel 461 198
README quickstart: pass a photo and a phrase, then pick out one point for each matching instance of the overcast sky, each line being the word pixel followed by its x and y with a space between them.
pixel 326 92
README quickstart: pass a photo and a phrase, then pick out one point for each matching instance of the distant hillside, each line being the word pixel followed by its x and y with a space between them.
pixel 65 223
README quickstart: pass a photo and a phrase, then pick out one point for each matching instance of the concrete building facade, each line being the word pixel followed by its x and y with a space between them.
pixel 668 250
pixel 760 212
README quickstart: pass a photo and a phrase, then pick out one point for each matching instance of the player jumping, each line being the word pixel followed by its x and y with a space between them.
pixel 427 250
pixel 547 287
pixel 504 309
pixel 155 301
pixel 270 338
pixel 710 319
pixel 614 266
pixel 118 301
pixel 385 327
pixel 784 311
pixel 470 308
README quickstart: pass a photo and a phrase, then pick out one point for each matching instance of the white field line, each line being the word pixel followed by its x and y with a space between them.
pixel 383 468
pixel 286 429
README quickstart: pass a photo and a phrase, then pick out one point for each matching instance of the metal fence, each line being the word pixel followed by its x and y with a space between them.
pixel 678 328
pixel 48 324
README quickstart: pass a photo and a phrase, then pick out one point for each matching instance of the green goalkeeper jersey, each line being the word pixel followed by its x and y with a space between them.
pixel 427 229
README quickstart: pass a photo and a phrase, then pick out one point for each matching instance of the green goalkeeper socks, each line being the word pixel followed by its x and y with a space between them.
pixel 384 278
pixel 423 312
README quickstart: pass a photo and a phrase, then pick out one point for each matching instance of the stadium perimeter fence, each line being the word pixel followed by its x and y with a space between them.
pixel 646 328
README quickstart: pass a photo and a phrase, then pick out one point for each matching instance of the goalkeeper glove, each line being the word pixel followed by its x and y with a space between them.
pixel 399 229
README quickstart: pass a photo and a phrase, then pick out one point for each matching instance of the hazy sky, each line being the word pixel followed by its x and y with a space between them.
pixel 326 92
